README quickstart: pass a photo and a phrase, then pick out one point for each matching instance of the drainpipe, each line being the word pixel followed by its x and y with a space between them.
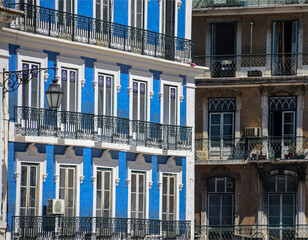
pixel 1 139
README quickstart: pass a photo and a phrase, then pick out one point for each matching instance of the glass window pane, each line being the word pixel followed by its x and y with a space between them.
pixel 107 180
pixel 141 183
pixel 23 197
pixel 33 176
pixel 98 200
pixel 99 180
pixel 165 189
pixel 142 107
pixel 171 185
pixel 221 184
pixel 215 118
pixel 228 118
pixel 24 176
pixel 106 200
pixel 62 177
pixel 32 197
pixel 133 202
pixel 70 198
pixel 134 183
pixel 141 202
pixel 135 106
pixel 100 100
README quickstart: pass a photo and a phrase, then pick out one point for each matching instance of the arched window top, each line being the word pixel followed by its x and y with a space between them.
pixel 282 103
pixel 220 185
pixel 281 183
pixel 222 104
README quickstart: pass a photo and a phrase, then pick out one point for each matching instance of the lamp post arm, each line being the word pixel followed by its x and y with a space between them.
pixel 13 79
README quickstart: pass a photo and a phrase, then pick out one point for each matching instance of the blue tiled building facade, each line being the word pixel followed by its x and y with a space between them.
pixel 119 151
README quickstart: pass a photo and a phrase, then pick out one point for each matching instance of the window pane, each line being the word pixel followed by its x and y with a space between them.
pixel 142 106
pixel 221 185
pixel 24 176
pixel 171 185
pixel 62 178
pixel 107 180
pixel 33 176
pixel 23 197
pixel 32 197
pixel 70 198
pixel 100 100
pixel 106 200
pixel 72 91
pixel 133 200
pixel 135 106
pixel 98 200
pixel 134 183
pixel 99 180
pixel 215 118
pixel 71 178
pixel 228 118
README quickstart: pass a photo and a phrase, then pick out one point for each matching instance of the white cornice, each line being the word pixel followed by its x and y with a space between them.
pixel 69 48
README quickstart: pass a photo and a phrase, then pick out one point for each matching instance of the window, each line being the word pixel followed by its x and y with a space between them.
pixel 168 17
pixel 281 204
pixel 221 126
pixel 28 190
pixel 139 100
pixel 104 193
pixel 69 85
pixel 67 189
pixel 105 90
pixel 31 90
pixel 138 195
pixel 104 10
pixel 220 201
pixel 66 6
pixel 170 105
pixel 137 13
pixel 284 47
pixel 169 197
pixel 223 60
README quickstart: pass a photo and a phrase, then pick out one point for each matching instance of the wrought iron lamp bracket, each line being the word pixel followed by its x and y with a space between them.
pixel 13 79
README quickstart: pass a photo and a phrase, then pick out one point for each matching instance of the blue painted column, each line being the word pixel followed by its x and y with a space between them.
pixel 123 98
pixel 153 16
pixel 49 186
pixel 154 191
pixel 120 11
pixel 11 190
pixel 181 20
pixel 13 65
pixel 85 8
pixel 87 92
pixel 183 104
pixel 155 103
pixel 86 188
pixel 52 59
pixel 122 190
pixel 183 192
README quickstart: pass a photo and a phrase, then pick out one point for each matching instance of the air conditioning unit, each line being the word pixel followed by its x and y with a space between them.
pixel 55 206
pixel 252 132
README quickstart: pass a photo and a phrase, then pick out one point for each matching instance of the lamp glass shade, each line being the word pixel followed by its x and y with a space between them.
pixel 54 95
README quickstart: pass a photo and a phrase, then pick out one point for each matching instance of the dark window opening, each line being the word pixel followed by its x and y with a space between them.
pixel 223 49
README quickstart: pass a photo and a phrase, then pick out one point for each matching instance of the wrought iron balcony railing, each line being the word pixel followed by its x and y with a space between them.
pixel 263 148
pixel 254 65
pixel 50 227
pixel 74 125
pixel 53 23
pixel 255 232
pixel 242 3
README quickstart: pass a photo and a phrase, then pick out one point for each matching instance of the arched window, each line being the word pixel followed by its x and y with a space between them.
pixel 220 192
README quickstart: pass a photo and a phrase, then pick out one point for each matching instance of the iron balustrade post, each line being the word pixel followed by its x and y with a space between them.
pixel 49 19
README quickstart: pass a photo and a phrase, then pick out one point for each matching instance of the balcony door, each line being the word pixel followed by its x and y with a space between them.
pixel 103 10
pixel 29 190
pixel 104 193
pixel 168 26
pixel 284 47
pixel 67 189
pixel 169 197
pixel 281 206
pixel 31 90
pixel 69 85
pixel 138 195
pixel 223 61
pixel 221 127
pixel 282 125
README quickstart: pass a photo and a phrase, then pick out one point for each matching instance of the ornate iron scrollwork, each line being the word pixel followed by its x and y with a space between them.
pixel 13 79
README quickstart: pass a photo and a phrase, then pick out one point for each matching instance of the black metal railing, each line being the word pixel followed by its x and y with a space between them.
pixel 60 227
pixel 53 23
pixel 84 126
pixel 256 232
pixel 262 148
pixel 253 65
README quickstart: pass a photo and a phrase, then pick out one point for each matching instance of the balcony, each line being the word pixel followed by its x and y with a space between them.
pixel 255 232
pixel 252 149
pixel 57 24
pixel 254 65
pixel 242 3
pixel 73 125
pixel 49 227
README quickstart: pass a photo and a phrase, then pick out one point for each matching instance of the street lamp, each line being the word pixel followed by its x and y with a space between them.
pixel 54 94
pixel 13 79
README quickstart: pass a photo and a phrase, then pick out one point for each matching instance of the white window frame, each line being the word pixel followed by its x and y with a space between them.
pixel 145 12
pixel 111 7
pixel 37 58
pixel 74 2
pixel 172 82
pixel 31 156
pixel 109 70
pixel 139 165
pixel 105 161
pixel 170 168
pixel 72 63
pixel 162 17
pixel 221 123
pixel 37 2
pixel 70 159
pixel 283 122
pixel 143 77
